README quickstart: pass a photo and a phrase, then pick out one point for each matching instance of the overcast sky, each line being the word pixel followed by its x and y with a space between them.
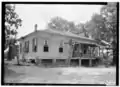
pixel 41 15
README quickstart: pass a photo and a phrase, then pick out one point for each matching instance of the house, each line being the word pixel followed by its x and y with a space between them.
pixel 55 46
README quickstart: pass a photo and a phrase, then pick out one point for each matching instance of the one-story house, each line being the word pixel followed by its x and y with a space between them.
pixel 53 45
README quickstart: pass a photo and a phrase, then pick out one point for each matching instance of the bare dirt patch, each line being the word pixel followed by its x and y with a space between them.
pixel 72 75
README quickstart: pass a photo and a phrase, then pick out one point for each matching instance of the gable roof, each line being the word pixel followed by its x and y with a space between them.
pixel 59 33
pixel 68 34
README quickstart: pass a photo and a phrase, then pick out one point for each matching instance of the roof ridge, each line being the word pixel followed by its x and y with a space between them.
pixel 65 33
pixel 68 33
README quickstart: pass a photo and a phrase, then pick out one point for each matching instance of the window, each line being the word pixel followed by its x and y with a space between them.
pixel 46 48
pixel 27 46
pixel 61 47
pixel 34 46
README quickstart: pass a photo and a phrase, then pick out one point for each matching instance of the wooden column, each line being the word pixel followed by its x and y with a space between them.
pixel 102 52
pixel 99 51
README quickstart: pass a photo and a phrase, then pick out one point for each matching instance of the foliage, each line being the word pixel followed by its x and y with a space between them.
pixel 109 13
pixel 12 22
pixel 96 27
pixel 82 29
pixel 103 26
pixel 60 24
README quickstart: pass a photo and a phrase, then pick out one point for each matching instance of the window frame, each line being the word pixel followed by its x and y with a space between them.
pixel 34 44
pixel 26 46
pixel 45 47
pixel 61 47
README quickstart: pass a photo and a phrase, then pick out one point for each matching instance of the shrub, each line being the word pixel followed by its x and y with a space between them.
pixel 106 60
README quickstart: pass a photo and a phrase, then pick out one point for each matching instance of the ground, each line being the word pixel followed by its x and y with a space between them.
pixel 72 75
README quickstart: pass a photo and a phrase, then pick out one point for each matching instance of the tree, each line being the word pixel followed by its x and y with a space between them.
pixel 57 23
pixel 103 26
pixel 109 13
pixel 81 29
pixel 12 22
pixel 60 24
pixel 96 27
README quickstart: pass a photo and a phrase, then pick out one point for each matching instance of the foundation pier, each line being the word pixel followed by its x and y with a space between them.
pixel 54 61
pixel 68 61
pixel 80 62
pixel 90 62
pixel 38 61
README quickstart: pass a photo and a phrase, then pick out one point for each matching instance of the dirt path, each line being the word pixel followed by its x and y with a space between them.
pixel 79 75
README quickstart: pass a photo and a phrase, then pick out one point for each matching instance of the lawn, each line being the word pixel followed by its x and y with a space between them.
pixel 72 75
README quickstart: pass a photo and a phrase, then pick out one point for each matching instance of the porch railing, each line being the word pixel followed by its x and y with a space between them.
pixel 84 55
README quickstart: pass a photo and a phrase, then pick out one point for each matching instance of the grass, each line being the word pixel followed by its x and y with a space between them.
pixel 60 75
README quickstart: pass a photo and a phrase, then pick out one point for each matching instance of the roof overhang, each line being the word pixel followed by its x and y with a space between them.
pixel 76 38
pixel 87 42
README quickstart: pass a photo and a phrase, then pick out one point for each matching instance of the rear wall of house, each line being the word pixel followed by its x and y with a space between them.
pixel 53 44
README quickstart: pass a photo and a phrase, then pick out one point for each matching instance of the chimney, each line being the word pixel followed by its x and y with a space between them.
pixel 35 27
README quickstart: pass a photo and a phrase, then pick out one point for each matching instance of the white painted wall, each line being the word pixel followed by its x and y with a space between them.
pixel 53 42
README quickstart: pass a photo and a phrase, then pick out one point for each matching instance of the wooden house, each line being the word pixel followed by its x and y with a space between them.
pixel 48 44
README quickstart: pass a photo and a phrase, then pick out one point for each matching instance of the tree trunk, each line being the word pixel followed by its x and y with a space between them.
pixel 114 56
pixel 17 54
pixel 114 46
pixel 10 55
pixel 18 63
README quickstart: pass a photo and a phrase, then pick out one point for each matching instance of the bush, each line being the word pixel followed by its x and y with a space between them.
pixel 107 60
pixel 32 61
pixel 37 61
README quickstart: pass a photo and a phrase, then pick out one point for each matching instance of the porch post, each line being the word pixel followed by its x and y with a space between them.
pixel 99 51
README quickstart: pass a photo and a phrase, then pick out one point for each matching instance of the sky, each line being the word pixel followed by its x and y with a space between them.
pixel 41 15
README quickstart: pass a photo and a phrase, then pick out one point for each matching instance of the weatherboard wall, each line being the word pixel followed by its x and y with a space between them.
pixel 53 43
